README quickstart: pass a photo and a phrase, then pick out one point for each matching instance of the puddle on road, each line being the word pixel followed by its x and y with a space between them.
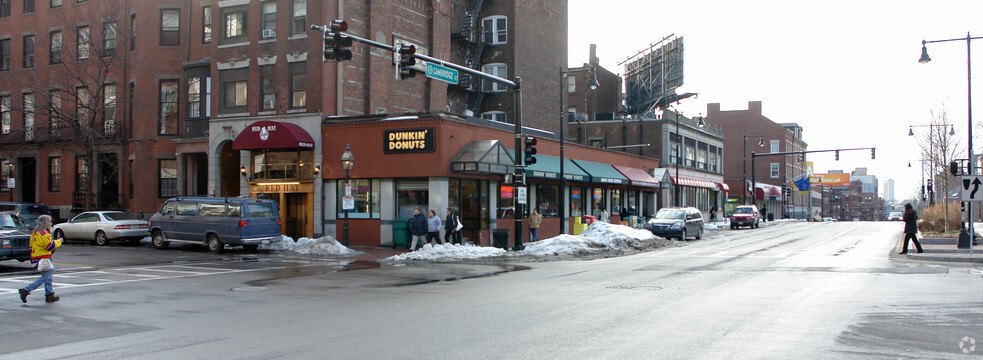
pixel 361 265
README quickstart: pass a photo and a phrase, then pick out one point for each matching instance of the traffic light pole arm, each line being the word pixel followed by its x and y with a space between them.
pixel 753 155
pixel 512 84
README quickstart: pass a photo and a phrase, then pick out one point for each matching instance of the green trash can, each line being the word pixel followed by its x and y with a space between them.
pixel 401 233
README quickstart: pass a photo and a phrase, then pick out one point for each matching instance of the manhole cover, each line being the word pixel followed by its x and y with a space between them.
pixel 636 287
pixel 249 288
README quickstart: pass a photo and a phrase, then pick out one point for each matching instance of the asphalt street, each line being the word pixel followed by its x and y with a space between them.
pixel 802 290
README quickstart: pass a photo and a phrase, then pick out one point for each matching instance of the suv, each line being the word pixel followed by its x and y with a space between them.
pixel 745 215
pixel 216 222
pixel 14 239
pixel 677 222
pixel 26 213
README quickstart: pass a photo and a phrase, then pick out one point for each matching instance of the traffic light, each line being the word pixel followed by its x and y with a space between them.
pixel 406 61
pixel 530 151
pixel 954 168
pixel 336 42
pixel 837 155
pixel 871 153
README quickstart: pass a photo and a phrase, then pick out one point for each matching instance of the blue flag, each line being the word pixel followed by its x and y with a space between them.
pixel 802 184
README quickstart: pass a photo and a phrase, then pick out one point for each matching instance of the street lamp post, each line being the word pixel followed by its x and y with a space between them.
pixel 347 162
pixel 924 59
pixel 563 124
pixel 761 143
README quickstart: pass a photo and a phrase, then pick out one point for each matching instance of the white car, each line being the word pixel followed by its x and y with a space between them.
pixel 101 226
pixel 895 216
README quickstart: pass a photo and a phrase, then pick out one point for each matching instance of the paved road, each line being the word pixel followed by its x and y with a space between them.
pixel 827 290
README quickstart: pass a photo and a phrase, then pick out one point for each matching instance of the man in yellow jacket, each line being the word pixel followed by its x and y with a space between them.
pixel 42 245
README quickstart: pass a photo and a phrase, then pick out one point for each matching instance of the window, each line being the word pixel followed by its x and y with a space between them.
pixel 206 25
pixel 28 117
pixel 84 105
pixel 55 3
pixel 54 110
pixel 366 193
pixel 198 94
pixel 233 90
pixel 282 164
pixel 54 174
pixel 82 34
pixel 690 156
pixel 167 183
pixel 28 51
pixel 4 8
pixel 298 85
pixel 299 23
pixel 5 173
pixel 4 54
pixel 506 201
pixel 269 18
pixel 170 27
pixel 55 52
pixel 109 35
pixel 269 87
pixel 774 146
pixel 497 69
pixel 494 30
pixel 133 31
pixel 494 115
pixel 168 107
pixel 571 84
pixel 235 24
pixel 597 201
pixel 235 93
pixel 109 109
pixel 774 170
pixel 28 6
pixel 577 200
pixel 713 160
pixel 410 195
pixel 5 114
pixel 548 200
pixel 81 174
pixel 673 153
pixel 701 159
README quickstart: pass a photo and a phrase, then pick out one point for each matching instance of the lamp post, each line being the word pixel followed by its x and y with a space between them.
pixel 761 143
pixel 924 59
pixel 563 124
pixel 347 162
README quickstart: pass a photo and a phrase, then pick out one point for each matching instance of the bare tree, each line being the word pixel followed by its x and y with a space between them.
pixel 939 146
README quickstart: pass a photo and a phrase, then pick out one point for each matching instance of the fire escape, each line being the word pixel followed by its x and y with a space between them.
pixel 473 46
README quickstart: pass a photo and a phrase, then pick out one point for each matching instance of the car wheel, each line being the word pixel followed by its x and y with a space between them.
pixel 699 234
pixel 101 239
pixel 250 248
pixel 158 240
pixel 214 244
pixel 59 234
pixel 682 235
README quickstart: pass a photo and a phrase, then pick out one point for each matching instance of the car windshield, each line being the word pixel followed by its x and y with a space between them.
pixel 9 222
pixel 895 214
pixel 744 210
pixel 671 214
pixel 116 216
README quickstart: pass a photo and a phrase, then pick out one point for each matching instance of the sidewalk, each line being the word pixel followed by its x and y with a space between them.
pixel 945 251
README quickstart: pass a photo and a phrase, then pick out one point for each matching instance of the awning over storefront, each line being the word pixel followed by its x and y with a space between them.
pixel 772 192
pixel 484 157
pixel 723 186
pixel 694 182
pixel 637 177
pixel 602 173
pixel 548 167
pixel 273 135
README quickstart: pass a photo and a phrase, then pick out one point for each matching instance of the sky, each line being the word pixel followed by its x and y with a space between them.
pixel 846 71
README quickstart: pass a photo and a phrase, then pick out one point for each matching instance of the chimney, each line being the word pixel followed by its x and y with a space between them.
pixel 593 55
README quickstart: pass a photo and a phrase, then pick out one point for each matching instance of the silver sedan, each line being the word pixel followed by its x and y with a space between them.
pixel 101 226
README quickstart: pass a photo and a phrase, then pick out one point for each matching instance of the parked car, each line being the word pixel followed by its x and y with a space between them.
pixel 26 213
pixel 100 227
pixel 14 239
pixel 677 222
pixel 895 216
pixel 745 215
pixel 829 219
pixel 216 222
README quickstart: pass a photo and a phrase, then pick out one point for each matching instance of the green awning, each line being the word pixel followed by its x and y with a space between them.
pixel 602 173
pixel 548 167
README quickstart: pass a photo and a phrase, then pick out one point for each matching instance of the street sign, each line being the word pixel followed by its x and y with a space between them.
pixel 348 203
pixel 520 193
pixel 972 188
pixel 442 73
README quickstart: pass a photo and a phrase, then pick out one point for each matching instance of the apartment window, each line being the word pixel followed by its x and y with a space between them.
pixel 54 174
pixel 28 51
pixel 269 18
pixel 298 85
pixel 497 69
pixel 84 105
pixel 167 183
pixel 571 84
pixel 54 110
pixel 81 174
pixel 28 6
pixel 55 3
pixel 774 170
pixel 83 42
pixel 4 8
pixel 235 24
pixel 701 159
pixel 234 90
pixel 109 109
pixel 673 154
pixel 109 35
pixel 4 54
pixel 713 160
pixel 494 30
pixel 5 114
pixel 133 31
pixel 55 52
pixel 168 107
pixel 195 98
pixel 170 27
pixel 28 117
pixel 494 115
pixel 299 22
pixel 690 156
pixel 774 146
pixel 269 87
pixel 206 25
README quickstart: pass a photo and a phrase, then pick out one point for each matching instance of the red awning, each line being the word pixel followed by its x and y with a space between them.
pixel 273 135
pixel 694 182
pixel 723 186
pixel 637 177
pixel 767 190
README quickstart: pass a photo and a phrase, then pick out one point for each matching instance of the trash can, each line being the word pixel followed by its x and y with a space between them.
pixel 771 216
pixel 401 233
pixel 500 238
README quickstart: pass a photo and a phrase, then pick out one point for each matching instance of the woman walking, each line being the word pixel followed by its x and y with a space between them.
pixel 910 228
pixel 433 229
pixel 42 245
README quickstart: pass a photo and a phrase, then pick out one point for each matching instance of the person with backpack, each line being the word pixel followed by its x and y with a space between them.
pixel 42 246
pixel 451 234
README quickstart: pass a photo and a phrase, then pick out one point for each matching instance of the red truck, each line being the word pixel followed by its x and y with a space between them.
pixel 745 215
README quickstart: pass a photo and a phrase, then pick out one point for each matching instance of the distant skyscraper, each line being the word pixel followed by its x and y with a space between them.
pixel 889 190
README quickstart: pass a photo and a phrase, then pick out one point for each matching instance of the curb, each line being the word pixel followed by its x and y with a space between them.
pixel 943 258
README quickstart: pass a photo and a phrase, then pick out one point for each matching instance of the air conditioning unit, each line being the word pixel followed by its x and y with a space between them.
pixel 268 33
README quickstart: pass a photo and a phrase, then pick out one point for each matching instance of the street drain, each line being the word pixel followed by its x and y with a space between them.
pixel 249 288
pixel 636 287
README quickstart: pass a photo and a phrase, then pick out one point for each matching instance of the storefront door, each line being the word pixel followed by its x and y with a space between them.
pixel 295 215
pixel 474 209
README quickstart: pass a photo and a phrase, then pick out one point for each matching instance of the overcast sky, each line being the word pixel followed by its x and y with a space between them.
pixel 846 71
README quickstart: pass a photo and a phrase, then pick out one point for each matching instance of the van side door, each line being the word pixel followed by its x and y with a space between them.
pixel 184 225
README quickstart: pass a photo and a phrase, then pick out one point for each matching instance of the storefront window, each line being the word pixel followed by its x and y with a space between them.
pixel 615 201
pixel 632 202
pixel 577 201
pixel 283 164
pixel 597 201
pixel 506 202
pixel 366 194
pixel 412 194
pixel 547 200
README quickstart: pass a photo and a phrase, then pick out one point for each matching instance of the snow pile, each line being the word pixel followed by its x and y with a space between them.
pixel 448 251
pixel 325 245
pixel 561 245
pixel 599 236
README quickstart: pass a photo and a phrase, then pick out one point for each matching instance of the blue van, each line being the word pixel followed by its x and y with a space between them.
pixel 216 222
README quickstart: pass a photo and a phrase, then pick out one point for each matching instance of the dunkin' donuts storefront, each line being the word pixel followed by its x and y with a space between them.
pixel 436 162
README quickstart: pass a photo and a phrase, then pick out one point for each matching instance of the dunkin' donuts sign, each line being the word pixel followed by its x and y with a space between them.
pixel 409 141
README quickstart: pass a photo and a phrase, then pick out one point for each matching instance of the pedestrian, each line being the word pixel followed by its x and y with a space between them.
pixel 433 229
pixel 910 228
pixel 534 220
pixel 418 227
pixel 605 216
pixel 713 213
pixel 764 214
pixel 42 246
pixel 451 234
